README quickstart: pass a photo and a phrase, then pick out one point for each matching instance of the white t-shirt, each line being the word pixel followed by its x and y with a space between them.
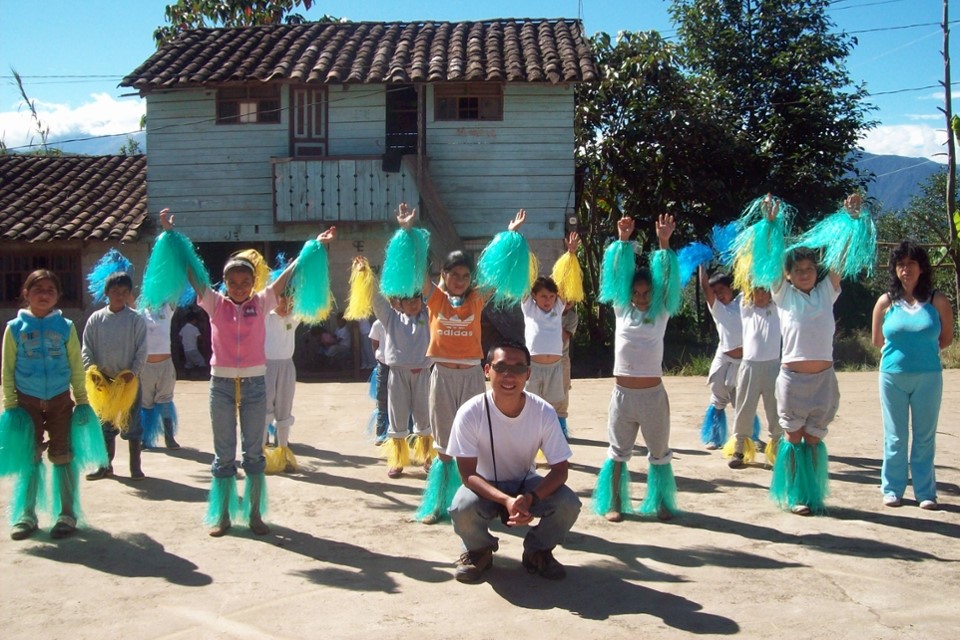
pixel 158 329
pixel 729 326
pixel 516 440
pixel 761 332
pixel 188 336
pixel 281 334
pixel 638 346
pixel 806 321
pixel 377 333
pixel 543 330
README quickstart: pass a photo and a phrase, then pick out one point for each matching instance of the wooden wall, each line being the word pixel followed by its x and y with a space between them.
pixel 218 179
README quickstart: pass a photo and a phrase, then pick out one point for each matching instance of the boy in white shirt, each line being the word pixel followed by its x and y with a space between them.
pixel 756 378
pixel 158 380
pixel 724 306
pixel 281 383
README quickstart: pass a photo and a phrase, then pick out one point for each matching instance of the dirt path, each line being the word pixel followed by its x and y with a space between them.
pixel 345 561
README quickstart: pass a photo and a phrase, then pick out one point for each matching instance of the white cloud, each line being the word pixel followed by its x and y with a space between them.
pixel 102 115
pixel 911 140
pixel 925 116
pixel 938 95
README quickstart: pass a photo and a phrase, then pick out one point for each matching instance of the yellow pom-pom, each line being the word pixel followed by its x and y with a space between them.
pixel 261 270
pixel 569 278
pixel 534 267
pixel 111 400
pixel 423 449
pixel 362 286
pixel 398 453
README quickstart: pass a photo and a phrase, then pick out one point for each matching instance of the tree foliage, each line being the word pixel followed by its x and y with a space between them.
pixel 195 14
pixel 775 72
pixel 753 98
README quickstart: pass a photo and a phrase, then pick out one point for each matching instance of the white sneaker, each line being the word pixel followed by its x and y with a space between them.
pixel 929 505
pixel 891 501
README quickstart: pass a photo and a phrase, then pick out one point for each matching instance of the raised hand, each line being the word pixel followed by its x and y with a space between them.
pixel 853 204
pixel 625 227
pixel 665 227
pixel 166 219
pixel 405 216
pixel 573 242
pixel 326 237
pixel 518 220
pixel 770 207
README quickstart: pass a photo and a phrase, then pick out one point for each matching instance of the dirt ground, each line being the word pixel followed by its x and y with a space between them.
pixel 344 559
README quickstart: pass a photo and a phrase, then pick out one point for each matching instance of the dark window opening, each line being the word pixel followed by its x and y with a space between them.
pixel 249 105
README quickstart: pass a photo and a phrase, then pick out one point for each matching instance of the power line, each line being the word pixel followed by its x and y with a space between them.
pixel 897 28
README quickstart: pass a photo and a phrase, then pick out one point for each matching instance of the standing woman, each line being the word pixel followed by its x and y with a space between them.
pixel 911 324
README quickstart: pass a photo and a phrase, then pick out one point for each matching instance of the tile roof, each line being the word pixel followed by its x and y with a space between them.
pixel 506 50
pixel 46 198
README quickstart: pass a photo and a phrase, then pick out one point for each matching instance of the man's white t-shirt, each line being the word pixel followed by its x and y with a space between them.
pixel 729 325
pixel 515 440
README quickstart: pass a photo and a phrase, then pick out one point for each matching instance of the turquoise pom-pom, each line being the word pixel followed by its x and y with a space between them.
pixel 616 273
pixel 17 445
pixel 405 263
pixel 310 282
pixel 503 269
pixel 665 273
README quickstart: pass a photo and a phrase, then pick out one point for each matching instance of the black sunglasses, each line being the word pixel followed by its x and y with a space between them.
pixel 516 369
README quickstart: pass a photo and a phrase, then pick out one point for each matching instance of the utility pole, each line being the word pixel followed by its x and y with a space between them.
pixel 953 217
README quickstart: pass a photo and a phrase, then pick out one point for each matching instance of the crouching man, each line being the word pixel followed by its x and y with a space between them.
pixel 495 438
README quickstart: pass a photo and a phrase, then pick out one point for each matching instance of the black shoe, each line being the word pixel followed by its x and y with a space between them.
pixel 736 462
pixel 172 444
pixel 22 530
pixel 100 474
pixel 542 562
pixel 62 530
pixel 472 564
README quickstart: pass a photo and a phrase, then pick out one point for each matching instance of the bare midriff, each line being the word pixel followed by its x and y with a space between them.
pixel 808 366
pixel 734 353
pixel 455 365
pixel 545 359
pixel 158 357
pixel 632 382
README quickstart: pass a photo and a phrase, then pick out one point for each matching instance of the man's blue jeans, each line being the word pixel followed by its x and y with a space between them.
pixel 471 516
pixel 252 409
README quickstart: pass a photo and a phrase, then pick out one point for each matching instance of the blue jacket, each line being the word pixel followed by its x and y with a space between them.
pixel 45 357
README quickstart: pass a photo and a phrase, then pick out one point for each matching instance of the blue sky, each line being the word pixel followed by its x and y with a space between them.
pixel 92 44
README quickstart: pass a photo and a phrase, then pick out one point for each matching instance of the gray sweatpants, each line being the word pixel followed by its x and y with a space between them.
pixel 756 380
pixel 281 381
pixel 450 388
pixel 408 393
pixel 645 409
pixel 807 401
pixel 157 381
pixel 546 381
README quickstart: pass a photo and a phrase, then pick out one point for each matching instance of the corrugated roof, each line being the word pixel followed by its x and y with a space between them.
pixel 45 198
pixel 503 50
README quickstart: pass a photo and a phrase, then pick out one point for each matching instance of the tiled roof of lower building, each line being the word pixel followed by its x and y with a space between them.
pixel 502 50
pixel 45 198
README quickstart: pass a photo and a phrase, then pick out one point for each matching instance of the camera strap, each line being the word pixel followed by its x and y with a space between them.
pixel 493 453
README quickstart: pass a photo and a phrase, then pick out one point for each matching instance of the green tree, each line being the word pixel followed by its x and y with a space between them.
pixel 195 14
pixel 646 143
pixel 775 72
pixel 924 221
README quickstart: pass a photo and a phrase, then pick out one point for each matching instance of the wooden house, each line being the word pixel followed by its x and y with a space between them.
pixel 260 136
pixel 63 213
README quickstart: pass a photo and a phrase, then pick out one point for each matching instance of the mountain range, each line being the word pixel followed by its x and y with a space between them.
pixel 897 179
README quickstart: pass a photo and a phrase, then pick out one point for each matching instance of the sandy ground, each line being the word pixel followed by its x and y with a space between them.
pixel 344 559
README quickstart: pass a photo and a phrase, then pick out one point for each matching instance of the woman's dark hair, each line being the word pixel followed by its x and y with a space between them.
pixel 545 282
pixel 910 250
pixel 42 274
